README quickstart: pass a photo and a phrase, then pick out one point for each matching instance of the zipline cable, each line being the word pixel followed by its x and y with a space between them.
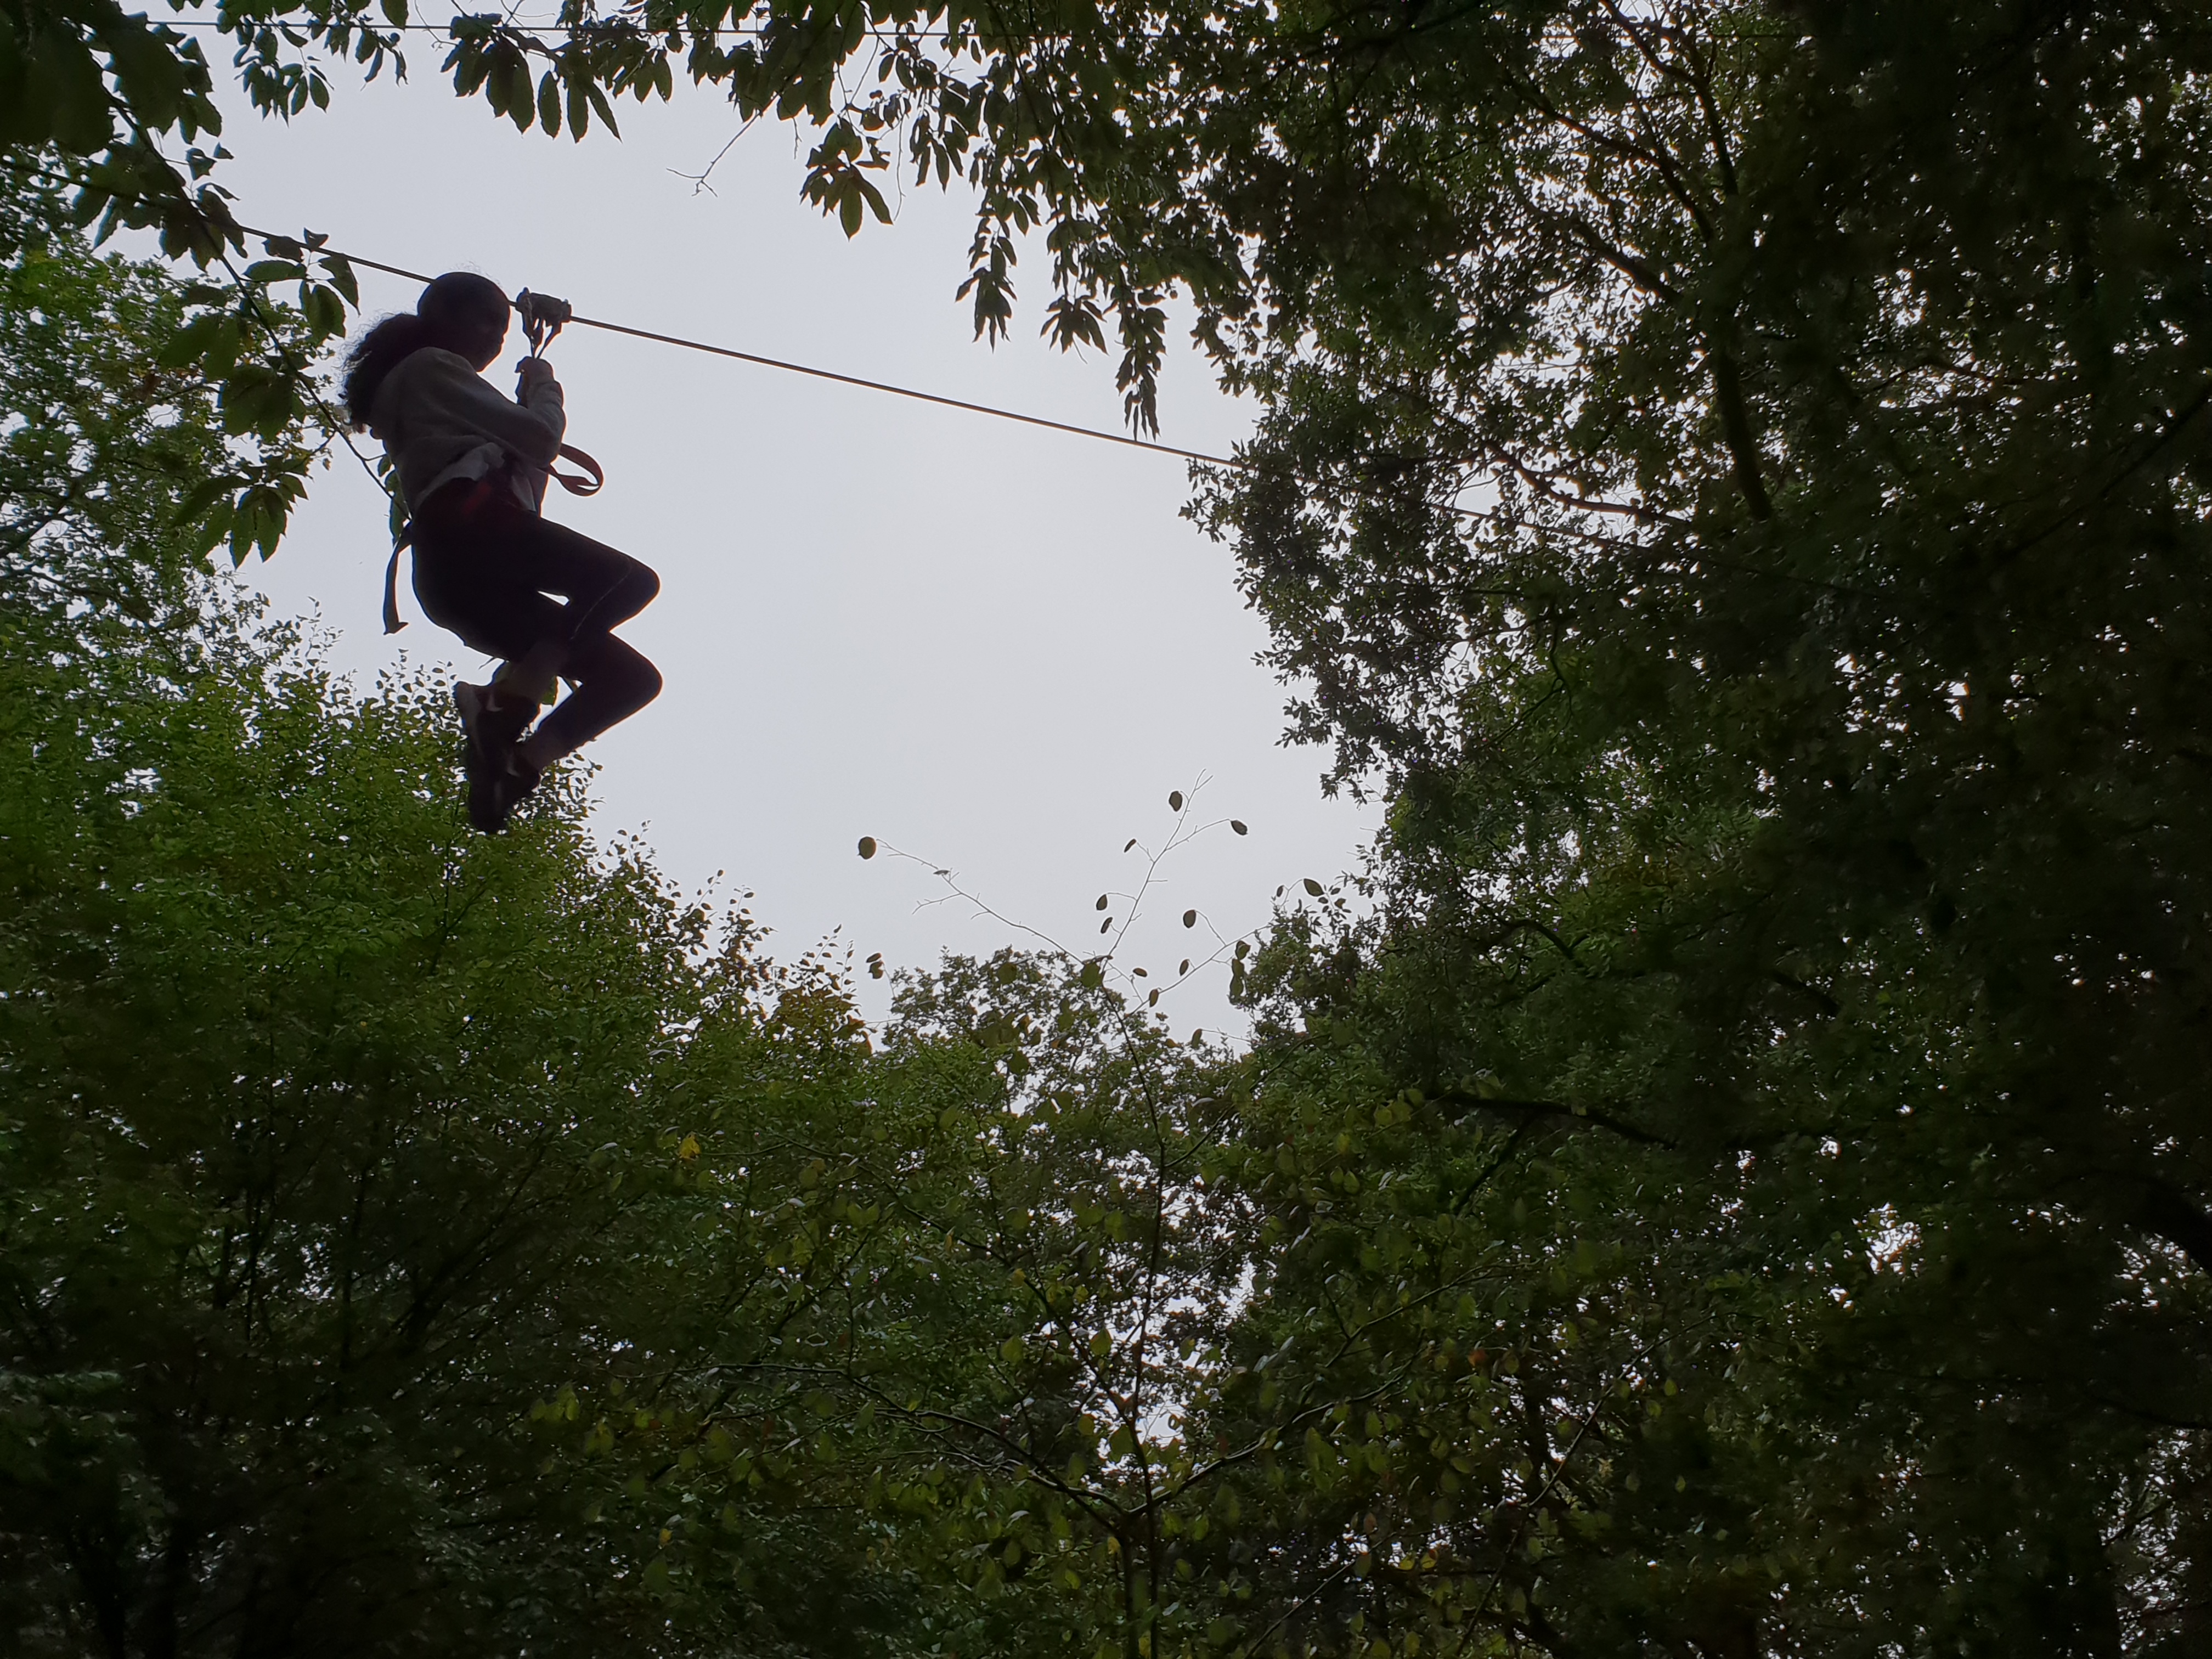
pixel 1199 455
pixel 1472 515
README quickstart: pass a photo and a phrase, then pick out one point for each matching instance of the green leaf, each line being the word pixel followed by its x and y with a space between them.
pixel 90 205
pixel 220 355
pixel 324 311
pixel 66 77
pixel 600 107
pixel 507 88
pixel 152 79
pixel 341 276
pixel 200 497
pixel 188 345
pixel 873 197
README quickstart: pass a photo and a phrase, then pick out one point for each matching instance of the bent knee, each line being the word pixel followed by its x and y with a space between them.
pixel 641 587
pixel 646 681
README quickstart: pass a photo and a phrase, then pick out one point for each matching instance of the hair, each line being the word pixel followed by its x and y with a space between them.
pixel 447 305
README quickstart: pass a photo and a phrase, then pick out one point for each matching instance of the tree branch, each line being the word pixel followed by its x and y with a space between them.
pixel 1736 422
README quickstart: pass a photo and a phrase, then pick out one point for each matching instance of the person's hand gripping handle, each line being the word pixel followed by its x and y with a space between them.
pixel 531 371
pixel 543 316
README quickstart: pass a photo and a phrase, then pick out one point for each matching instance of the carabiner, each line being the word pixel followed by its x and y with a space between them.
pixel 542 318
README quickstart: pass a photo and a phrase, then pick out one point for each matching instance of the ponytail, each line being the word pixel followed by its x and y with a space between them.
pixel 374 356
pixel 449 301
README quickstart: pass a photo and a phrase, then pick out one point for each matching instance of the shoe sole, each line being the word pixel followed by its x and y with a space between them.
pixel 487 812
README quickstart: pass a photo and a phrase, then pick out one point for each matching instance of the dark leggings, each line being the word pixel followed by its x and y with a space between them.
pixel 483 566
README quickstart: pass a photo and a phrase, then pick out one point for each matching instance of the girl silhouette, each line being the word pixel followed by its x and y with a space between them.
pixel 472 467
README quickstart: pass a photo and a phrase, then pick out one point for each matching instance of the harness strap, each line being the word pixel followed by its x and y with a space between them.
pixel 392 620
pixel 479 493
pixel 574 484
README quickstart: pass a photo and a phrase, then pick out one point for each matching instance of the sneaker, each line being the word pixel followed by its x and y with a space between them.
pixel 491 728
pixel 516 779
pixel 492 719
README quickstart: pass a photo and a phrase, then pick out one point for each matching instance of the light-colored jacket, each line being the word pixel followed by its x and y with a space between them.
pixel 440 419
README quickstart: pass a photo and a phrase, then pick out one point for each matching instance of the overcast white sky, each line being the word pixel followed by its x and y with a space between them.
pixel 992 645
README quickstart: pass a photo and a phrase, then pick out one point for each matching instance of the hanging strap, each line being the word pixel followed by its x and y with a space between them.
pixel 574 483
pixel 393 622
